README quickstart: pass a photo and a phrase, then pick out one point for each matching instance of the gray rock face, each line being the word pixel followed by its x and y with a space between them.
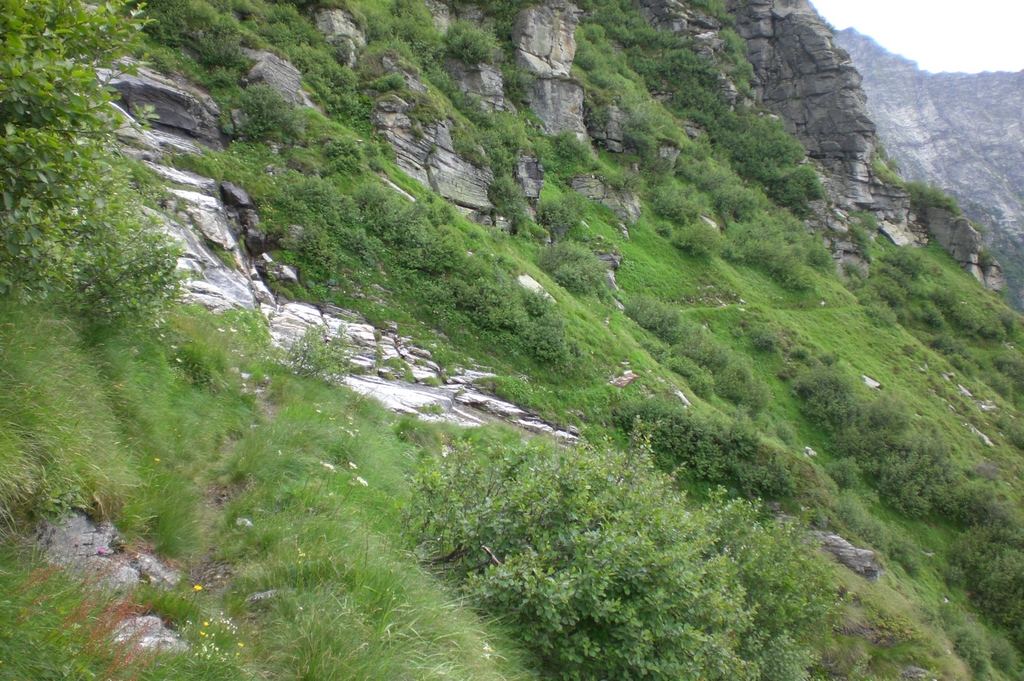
pixel 606 129
pixel 964 243
pixel 427 155
pixel 804 78
pixel 279 74
pixel 962 132
pixel 861 561
pixel 529 175
pixel 545 40
pixel 481 80
pixel 624 203
pixel 559 105
pixel 343 32
pixel 181 109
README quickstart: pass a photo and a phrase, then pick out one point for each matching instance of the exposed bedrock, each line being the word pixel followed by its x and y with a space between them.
pixel 426 153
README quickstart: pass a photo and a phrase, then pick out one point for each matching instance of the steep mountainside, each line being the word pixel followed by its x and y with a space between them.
pixel 515 340
pixel 961 132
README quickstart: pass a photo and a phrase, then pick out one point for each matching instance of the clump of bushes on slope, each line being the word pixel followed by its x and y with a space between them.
pixel 574 267
pixel 706 448
pixel 595 562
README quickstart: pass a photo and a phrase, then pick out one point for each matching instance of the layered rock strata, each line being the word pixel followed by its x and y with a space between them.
pixel 545 45
pixel 341 30
pixel 426 153
pixel 483 81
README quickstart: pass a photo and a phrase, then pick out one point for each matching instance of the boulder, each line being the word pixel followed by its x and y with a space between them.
pixel 559 105
pixel 529 174
pixel 544 38
pixel 531 284
pixel 606 129
pixel 180 109
pixel 861 561
pixel 483 81
pixel 279 74
pixel 392 63
pixel 235 196
pixel 341 30
pixel 956 235
pixel 442 14
pixel 148 633
pixel 624 203
pixel 426 153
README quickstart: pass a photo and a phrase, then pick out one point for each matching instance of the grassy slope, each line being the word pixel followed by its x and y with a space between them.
pixel 350 569
pixel 194 448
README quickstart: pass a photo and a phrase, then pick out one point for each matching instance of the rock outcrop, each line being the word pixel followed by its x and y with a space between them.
pixel 545 42
pixel 964 243
pixel 279 74
pixel 426 154
pixel 624 203
pixel 341 30
pixel 861 561
pixel 529 175
pixel 483 81
pixel 180 109
pixel 605 128
pixel 961 132
pixel 800 75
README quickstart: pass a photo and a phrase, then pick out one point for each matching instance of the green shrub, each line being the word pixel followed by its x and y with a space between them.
pixel 698 238
pixel 657 317
pixel 316 354
pixel 574 267
pixel 829 397
pixel 592 559
pixel 924 196
pixel 560 215
pixel 470 44
pixel 344 155
pixel 845 472
pixel 267 115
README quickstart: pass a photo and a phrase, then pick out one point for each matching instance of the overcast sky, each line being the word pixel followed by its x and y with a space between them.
pixel 940 35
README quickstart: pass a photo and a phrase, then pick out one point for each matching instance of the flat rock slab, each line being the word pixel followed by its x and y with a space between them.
pixel 148 633
pixel 861 561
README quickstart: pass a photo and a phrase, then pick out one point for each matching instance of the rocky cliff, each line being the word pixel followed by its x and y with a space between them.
pixel 962 132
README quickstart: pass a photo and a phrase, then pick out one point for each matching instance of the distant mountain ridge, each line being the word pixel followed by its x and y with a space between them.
pixel 962 132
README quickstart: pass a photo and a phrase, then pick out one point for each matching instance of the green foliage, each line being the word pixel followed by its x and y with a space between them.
pixel 595 562
pixel 829 396
pixel 316 354
pixel 924 196
pixel 574 267
pixel 657 317
pixel 470 44
pixel 705 448
pixel 268 116
pixel 561 214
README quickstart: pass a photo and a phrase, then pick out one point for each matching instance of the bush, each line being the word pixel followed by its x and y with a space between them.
pixel 596 564
pixel 561 214
pixel 469 44
pixel 657 317
pixel 845 472
pixel 343 155
pixel 574 267
pixel 316 354
pixel 268 116
pixel 829 396
pixel 698 238
pixel 923 196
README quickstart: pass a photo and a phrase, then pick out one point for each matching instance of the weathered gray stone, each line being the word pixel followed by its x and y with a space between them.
pixel 545 39
pixel 964 243
pixel 481 80
pixel 861 561
pixel 279 74
pixel 531 284
pixel 210 283
pixel 559 105
pixel 235 196
pixel 393 63
pixel 605 128
pixel 180 109
pixel 208 215
pixel 442 14
pixel 342 31
pixel 529 175
pixel 148 633
pixel 427 155
pixel 624 203
pixel 803 77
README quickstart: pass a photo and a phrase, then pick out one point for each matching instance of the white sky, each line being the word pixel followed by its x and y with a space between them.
pixel 940 35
